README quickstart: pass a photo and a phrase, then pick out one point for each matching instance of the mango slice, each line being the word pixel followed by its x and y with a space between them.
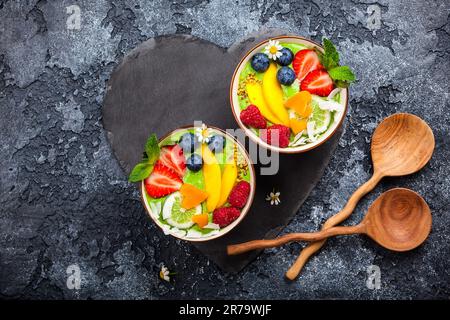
pixel 300 103
pixel 255 95
pixel 200 219
pixel 213 178
pixel 273 94
pixel 229 176
pixel 297 125
pixel 191 196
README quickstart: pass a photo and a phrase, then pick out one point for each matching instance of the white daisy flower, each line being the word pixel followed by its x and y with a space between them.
pixel 202 133
pixel 164 274
pixel 273 49
pixel 274 198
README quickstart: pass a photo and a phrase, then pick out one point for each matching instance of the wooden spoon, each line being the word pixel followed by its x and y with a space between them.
pixel 399 220
pixel 401 144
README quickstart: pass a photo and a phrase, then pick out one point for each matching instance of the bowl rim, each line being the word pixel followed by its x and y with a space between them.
pixel 244 210
pixel 258 140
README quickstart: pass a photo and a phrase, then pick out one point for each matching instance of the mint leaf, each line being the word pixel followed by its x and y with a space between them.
pixel 342 84
pixel 331 54
pixel 327 62
pixel 342 73
pixel 141 171
pixel 152 149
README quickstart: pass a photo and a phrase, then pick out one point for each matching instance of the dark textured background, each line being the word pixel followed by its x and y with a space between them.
pixel 64 199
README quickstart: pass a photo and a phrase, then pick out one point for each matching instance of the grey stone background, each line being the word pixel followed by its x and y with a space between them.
pixel 64 200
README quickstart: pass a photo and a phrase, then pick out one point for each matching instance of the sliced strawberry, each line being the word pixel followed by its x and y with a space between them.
pixel 173 158
pixel 317 82
pixel 162 181
pixel 304 62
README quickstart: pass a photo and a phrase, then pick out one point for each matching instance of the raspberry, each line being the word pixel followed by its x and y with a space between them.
pixel 225 216
pixel 239 195
pixel 251 116
pixel 272 132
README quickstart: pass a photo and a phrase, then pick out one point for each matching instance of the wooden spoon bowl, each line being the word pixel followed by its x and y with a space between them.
pixel 399 220
pixel 401 144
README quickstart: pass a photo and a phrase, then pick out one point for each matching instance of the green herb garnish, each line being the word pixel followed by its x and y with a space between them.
pixel 330 57
pixel 341 75
pixel 143 169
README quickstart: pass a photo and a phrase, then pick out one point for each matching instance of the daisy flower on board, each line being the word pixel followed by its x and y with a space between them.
pixel 274 198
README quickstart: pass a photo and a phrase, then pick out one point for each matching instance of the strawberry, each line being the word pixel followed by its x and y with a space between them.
pixel 173 158
pixel 317 82
pixel 251 116
pixel 304 62
pixel 162 181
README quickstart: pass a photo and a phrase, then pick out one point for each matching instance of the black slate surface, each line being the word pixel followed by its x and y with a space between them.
pixel 162 85
pixel 64 199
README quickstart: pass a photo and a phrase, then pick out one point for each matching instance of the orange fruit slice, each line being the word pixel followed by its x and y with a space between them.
pixel 297 125
pixel 191 196
pixel 200 219
pixel 300 103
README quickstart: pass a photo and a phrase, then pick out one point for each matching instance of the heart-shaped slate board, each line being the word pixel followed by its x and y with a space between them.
pixel 171 81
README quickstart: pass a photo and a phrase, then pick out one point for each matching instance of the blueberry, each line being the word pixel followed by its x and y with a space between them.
pixel 188 142
pixel 286 76
pixel 216 143
pixel 286 57
pixel 260 62
pixel 194 162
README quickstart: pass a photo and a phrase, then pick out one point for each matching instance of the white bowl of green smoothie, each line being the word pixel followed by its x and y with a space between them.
pixel 267 84
pixel 225 164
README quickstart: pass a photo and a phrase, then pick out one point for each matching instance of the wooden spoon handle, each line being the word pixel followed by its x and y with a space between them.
pixel 307 236
pixel 307 252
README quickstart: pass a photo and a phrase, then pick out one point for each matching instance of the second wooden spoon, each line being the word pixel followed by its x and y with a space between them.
pixel 399 220
pixel 401 144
